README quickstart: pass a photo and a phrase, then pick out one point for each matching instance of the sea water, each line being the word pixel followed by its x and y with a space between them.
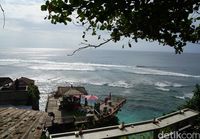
pixel 153 83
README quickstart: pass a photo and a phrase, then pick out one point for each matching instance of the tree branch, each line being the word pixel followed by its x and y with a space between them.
pixel 3 15
pixel 89 46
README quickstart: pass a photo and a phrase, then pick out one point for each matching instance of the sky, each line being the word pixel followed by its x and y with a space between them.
pixel 25 27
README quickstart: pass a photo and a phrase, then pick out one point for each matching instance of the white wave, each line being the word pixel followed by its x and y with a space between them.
pixel 53 65
pixel 148 71
pixel 162 84
pixel 185 96
pixel 51 79
pixel 163 89
pixel 98 83
pixel 79 81
pixel 46 78
pixel 8 61
pixel 189 95
pixel 177 85
pixel 62 67
pixel 74 66
pixel 180 97
pixel 123 84
pixel 168 84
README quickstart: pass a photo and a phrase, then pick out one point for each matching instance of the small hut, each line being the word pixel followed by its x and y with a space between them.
pixel 71 99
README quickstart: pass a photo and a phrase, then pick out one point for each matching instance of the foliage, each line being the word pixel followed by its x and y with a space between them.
pixel 194 102
pixel 33 92
pixel 43 136
pixel 170 22
pixel 34 96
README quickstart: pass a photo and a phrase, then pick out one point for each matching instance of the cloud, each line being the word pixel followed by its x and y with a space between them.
pixel 27 15
pixel 24 10
pixel 26 27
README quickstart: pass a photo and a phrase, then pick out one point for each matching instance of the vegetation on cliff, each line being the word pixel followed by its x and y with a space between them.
pixel 34 96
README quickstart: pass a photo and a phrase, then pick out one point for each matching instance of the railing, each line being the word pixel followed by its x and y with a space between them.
pixel 181 120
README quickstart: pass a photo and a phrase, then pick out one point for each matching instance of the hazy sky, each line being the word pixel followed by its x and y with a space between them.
pixel 26 27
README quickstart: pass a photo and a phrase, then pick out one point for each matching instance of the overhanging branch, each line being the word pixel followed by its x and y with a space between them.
pixel 89 46
pixel 3 15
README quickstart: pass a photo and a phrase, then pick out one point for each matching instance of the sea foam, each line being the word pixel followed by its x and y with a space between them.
pixel 168 84
pixel 163 89
pixel 53 65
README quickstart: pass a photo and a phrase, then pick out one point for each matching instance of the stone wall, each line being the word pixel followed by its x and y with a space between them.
pixel 13 97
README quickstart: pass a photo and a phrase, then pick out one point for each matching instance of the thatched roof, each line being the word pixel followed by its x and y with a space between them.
pixel 72 90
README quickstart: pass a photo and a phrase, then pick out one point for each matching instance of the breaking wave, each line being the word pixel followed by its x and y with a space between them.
pixel 168 84
pixel 149 71
pixel 76 66
pixel 163 89
pixel 180 97
pixel 78 81
pixel 52 65
pixel 185 96
pixel 121 84
pixel 163 85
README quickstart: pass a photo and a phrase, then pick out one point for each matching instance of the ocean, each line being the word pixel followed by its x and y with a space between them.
pixel 153 83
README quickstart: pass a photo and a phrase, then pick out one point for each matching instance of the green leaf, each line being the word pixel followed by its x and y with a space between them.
pixel 139 19
pixel 43 7
pixel 68 19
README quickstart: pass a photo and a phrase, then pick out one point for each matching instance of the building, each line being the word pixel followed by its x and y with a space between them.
pixel 62 90
pixel 15 92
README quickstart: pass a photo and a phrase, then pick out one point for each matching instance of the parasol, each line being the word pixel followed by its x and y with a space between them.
pixel 91 97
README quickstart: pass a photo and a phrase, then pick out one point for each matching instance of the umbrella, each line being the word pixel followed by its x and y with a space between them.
pixel 91 97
